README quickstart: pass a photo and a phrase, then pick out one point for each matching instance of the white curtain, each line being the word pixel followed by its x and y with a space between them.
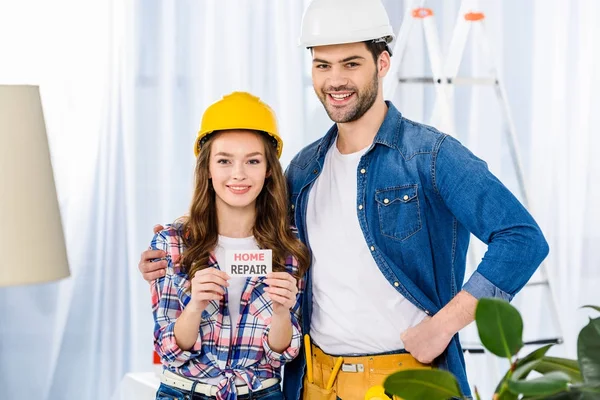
pixel 124 85
pixel 564 137
pixel 67 340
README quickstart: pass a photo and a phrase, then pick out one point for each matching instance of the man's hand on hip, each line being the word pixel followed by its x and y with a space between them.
pixel 425 341
pixel 429 339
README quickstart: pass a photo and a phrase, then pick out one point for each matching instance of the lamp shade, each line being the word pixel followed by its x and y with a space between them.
pixel 32 244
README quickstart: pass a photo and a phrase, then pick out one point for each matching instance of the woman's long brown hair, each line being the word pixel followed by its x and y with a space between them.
pixel 271 228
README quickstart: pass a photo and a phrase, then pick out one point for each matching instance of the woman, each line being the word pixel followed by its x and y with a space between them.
pixel 220 336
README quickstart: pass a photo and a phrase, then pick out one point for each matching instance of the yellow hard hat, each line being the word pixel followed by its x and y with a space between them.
pixel 239 110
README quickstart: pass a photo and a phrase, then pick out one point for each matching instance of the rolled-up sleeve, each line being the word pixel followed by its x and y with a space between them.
pixel 479 287
pixel 166 308
pixel 278 359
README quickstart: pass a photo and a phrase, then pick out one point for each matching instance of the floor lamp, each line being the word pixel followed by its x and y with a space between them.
pixel 32 244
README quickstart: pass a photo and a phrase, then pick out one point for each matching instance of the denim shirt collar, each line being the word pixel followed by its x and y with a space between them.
pixel 387 134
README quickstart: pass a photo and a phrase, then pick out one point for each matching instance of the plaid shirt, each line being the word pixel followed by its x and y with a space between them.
pixel 247 356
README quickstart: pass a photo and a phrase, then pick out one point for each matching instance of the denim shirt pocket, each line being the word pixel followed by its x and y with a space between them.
pixel 399 212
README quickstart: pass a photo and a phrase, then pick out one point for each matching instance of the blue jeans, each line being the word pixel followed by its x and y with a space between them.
pixel 166 392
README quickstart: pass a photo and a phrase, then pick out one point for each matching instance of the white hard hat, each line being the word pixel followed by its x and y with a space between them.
pixel 328 22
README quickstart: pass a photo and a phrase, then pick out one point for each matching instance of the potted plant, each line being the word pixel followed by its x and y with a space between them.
pixel 500 328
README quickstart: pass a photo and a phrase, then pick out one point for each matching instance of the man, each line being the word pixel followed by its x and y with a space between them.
pixel 386 206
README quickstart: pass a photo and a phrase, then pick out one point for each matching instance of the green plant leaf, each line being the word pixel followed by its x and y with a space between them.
pixel 589 391
pixel 558 396
pixel 534 355
pixel 506 395
pixel 549 384
pixel 523 370
pixel 588 351
pixel 416 384
pixel 580 391
pixel 569 367
pixel 500 327
pixel 592 307
pixel 519 373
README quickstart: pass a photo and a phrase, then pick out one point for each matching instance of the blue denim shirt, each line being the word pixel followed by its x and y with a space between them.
pixel 422 193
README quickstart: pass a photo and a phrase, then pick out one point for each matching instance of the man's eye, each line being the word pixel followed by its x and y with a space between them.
pixel 352 65
pixel 322 66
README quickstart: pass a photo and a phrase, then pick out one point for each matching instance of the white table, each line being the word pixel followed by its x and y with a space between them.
pixel 137 386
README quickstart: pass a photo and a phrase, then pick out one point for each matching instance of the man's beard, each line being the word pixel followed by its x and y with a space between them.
pixel 365 101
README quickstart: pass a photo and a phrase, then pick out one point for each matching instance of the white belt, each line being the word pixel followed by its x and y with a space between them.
pixel 180 382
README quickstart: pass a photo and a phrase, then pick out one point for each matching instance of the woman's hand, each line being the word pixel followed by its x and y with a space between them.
pixel 282 289
pixel 208 284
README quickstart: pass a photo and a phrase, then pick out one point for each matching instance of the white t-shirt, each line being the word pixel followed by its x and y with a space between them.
pixel 235 289
pixel 355 309
pixel 236 284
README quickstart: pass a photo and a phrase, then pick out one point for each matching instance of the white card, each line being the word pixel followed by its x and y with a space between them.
pixel 248 262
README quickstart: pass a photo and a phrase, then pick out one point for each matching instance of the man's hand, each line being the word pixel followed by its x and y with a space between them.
pixel 282 289
pixel 430 338
pixel 208 284
pixel 426 340
pixel 152 270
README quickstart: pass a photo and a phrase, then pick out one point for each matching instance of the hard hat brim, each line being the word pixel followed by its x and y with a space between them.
pixel 329 41
pixel 204 135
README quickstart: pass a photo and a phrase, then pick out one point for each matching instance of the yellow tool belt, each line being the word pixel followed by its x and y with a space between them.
pixel 356 376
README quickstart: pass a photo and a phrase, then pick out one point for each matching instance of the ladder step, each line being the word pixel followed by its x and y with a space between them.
pixel 473 350
pixel 544 341
pixel 447 80
pixel 480 350
pixel 538 283
pixel 416 79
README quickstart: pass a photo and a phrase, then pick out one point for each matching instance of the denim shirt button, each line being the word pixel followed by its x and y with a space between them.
pixel 315 171
pixel 386 201
pixel 396 284
pixel 372 248
pixel 362 171
pixel 293 206
pixel 405 197
pixel 360 207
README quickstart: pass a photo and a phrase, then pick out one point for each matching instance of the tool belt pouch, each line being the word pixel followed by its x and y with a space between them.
pixel 314 392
